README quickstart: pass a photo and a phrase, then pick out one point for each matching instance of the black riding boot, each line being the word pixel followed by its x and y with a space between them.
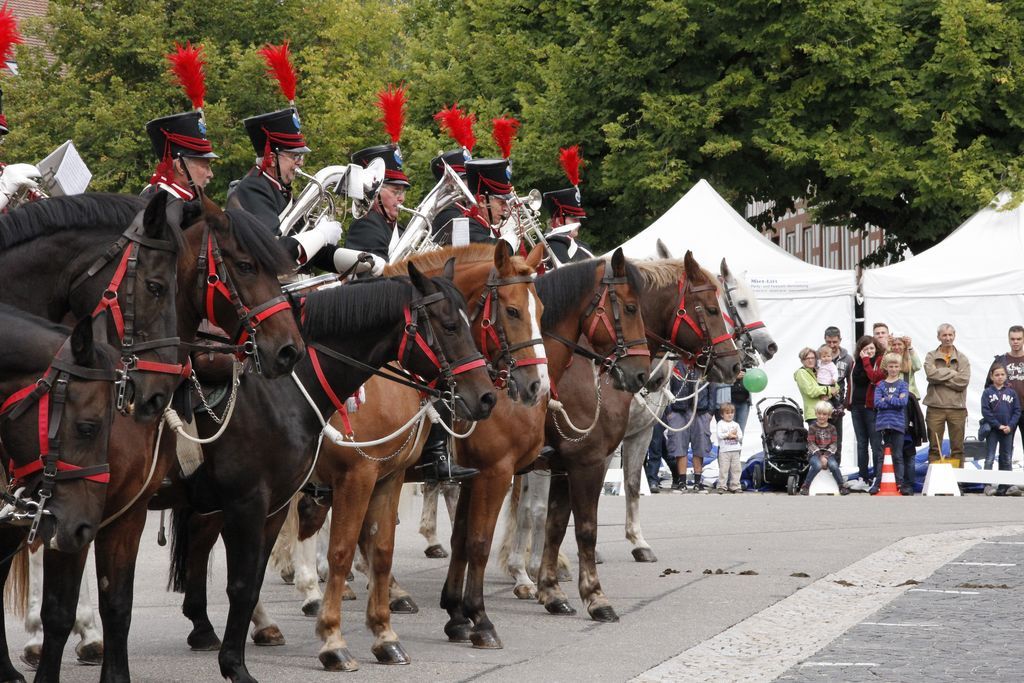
pixel 436 462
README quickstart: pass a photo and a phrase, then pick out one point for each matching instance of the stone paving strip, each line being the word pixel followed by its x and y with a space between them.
pixel 767 644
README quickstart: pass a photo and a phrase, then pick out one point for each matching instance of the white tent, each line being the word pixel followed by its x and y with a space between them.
pixel 798 300
pixel 972 279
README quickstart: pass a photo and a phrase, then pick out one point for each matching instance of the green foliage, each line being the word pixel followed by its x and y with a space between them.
pixel 905 114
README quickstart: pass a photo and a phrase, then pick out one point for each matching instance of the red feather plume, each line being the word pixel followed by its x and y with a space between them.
pixel 187 66
pixel 9 34
pixel 279 67
pixel 391 102
pixel 570 160
pixel 458 125
pixel 503 131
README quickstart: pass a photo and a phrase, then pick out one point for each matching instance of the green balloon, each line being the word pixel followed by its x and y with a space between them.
pixel 755 380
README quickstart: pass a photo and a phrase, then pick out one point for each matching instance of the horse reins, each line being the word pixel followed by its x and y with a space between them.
pixel 121 290
pixel 492 330
pixel 698 325
pixel 50 394
pixel 741 331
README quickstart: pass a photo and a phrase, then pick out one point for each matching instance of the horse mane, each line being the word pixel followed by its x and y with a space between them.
pixel 665 272
pixel 479 252
pixel 98 211
pixel 561 290
pixel 363 305
pixel 259 243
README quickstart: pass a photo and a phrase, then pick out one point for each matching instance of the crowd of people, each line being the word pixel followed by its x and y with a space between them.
pixel 877 387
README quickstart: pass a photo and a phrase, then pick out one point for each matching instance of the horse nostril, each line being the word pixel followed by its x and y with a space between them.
pixel 773 348
pixel 534 388
pixel 488 400
pixel 83 534
pixel 287 356
pixel 642 378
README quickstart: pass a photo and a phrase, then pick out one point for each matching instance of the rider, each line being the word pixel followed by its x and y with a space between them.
pixel 490 182
pixel 459 126
pixel 378 230
pixel 566 213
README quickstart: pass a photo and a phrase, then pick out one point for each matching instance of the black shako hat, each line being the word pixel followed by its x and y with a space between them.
pixel 565 203
pixel 180 135
pixel 392 157
pixel 489 177
pixel 456 158
pixel 278 131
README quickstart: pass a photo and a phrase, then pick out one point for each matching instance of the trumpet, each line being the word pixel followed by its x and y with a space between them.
pixel 525 222
pixel 317 199
pixel 416 238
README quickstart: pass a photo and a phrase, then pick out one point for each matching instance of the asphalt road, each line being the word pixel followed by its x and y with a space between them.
pixel 674 620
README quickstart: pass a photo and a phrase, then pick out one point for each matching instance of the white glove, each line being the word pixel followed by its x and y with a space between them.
pixel 346 259
pixel 378 264
pixel 330 228
pixel 15 178
pixel 326 231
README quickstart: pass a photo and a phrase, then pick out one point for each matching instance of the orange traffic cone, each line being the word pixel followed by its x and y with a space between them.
pixel 888 487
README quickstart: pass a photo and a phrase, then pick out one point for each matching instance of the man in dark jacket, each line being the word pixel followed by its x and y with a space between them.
pixel 378 230
pixel 443 225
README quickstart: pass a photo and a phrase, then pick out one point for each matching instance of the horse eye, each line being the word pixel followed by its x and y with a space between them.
pixel 450 327
pixel 742 302
pixel 155 288
pixel 631 308
pixel 512 312
pixel 713 310
pixel 246 267
pixel 87 430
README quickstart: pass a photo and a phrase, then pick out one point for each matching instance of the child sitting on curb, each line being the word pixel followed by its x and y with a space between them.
pixel 822 440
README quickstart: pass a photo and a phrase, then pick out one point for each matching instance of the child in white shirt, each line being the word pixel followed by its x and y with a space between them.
pixel 730 444
pixel 828 373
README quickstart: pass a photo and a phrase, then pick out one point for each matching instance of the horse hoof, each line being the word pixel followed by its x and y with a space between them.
pixel 404 605
pixel 32 655
pixel 563 575
pixel 560 607
pixel 268 637
pixel 90 654
pixel 311 608
pixel 435 552
pixel 288 577
pixel 604 614
pixel 459 631
pixel 486 640
pixel 203 641
pixel 524 592
pixel 339 660
pixel 350 577
pixel 390 653
pixel 644 555
pixel 14 677
pixel 348 593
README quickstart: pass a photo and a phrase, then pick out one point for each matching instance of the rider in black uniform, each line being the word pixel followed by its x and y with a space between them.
pixel 566 214
pixel 441 229
pixel 375 231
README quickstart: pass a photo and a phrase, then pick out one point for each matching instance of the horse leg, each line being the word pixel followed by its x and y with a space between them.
pixel 265 631
pixel 307 582
pixel 428 521
pixel 281 555
pixel 549 593
pixel 323 541
pixel 116 550
pixel 62 575
pixel 634 450
pixel 10 539
pixel 33 617
pixel 459 628
pixel 537 511
pixel 377 539
pixel 585 493
pixel 349 499
pixel 487 496
pixel 517 535
pixel 200 537
pixel 90 644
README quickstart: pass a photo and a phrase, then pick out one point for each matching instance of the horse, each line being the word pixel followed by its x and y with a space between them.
pixel 682 314
pixel 419 321
pixel 56 408
pixel 228 264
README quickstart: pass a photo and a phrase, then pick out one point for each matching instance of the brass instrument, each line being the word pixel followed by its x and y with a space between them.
pixel 372 178
pixel 318 197
pixel 524 223
pixel 416 238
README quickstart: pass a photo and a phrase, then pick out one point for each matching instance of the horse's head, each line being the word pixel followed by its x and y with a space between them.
pixel 681 307
pixel 73 420
pixel 232 280
pixel 744 315
pixel 614 325
pixel 443 348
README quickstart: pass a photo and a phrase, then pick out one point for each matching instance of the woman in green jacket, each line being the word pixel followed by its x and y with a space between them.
pixel 807 381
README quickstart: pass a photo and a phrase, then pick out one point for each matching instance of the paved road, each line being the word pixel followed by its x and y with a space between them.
pixel 776 536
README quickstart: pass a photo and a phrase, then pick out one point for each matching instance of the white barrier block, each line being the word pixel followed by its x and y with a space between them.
pixel 940 481
pixel 613 482
pixel 824 484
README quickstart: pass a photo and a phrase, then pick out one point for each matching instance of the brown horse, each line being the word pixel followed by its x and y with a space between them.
pixel 246 261
pixel 366 483
pixel 681 311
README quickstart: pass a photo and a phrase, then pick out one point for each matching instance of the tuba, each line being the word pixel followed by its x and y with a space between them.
pixel 371 180
pixel 318 197
pixel 524 223
pixel 416 237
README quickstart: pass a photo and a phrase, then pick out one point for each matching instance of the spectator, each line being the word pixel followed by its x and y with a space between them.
pixel 1013 361
pixel 844 363
pixel 1000 410
pixel 730 444
pixel 696 437
pixel 881 334
pixel 910 362
pixel 656 452
pixel 948 372
pixel 865 375
pixel 822 441
pixel 807 381
pixel 827 375
pixel 891 396
pixel 738 396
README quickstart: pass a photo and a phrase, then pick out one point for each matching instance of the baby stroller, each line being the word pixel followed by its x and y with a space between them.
pixel 784 438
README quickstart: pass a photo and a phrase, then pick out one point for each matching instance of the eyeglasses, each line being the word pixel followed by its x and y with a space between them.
pixel 294 156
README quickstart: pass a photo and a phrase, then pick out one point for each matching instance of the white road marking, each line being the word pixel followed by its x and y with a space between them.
pixel 890 623
pixel 986 564
pixel 935 590
pixel 839 664
pixel 1003 542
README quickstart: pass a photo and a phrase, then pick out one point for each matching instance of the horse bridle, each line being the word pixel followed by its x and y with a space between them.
pixel 502 363
pixel 50 394
pixel 412 338
pixel 698 324
pixel 213 280
pixel 119 299
pixel 740 330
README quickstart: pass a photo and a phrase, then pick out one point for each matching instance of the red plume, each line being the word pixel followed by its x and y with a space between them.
pixel 458 125
pixel 391 102
pixel 187 66
pixel 279 67
pixel 570 161
pixel 504 129
pixel 9 34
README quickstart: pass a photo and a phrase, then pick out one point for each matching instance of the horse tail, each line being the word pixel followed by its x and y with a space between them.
pixel 177 575
pixel 16 589
pixel 281 555
pixel 511 521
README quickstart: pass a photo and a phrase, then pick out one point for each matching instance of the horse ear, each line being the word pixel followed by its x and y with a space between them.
pixel 449 269
pixel 82 346
pixel 155 217
pixel 725 270
pixel 420 281
pixel 213 214
pixel 693 270
pixel 618 263
pixel 502 255
pixel 663 250
pixel 535 256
